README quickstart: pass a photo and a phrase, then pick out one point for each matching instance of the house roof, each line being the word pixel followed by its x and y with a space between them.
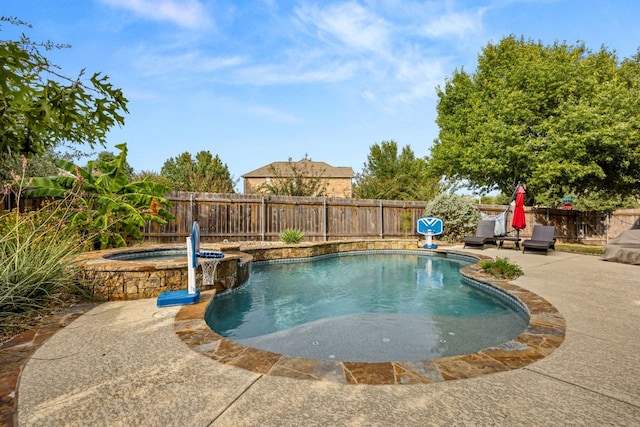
pixel 312 169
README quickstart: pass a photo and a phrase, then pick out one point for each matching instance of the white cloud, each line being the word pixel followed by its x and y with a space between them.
pixel 386 54
pixel 453 24
pixel 388 61
pixel 418 79
pixel 348 23
pixel 185 13
pixel 188 62
pixel 285 74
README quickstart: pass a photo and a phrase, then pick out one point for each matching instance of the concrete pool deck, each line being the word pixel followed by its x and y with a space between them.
pixel 123 364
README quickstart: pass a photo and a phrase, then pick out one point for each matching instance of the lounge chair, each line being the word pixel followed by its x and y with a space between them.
pixel 542 239
pixel 484 234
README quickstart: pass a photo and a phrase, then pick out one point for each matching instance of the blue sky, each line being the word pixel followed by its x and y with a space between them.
pixel 266 80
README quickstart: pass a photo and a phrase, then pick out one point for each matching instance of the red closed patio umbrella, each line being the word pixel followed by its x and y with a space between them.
pixel 519 221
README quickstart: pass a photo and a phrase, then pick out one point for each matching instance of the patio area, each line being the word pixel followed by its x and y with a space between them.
pixel 121 363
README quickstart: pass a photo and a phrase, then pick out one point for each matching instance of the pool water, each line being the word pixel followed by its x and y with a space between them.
pixel 364 307
pixel 158 255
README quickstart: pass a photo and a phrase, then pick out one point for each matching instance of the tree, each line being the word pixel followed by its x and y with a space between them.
pixel 40 107
pixel 296 179
pixel 108 207
pixel 153 176
pixel 389 176
pixel 107 158
pixel 204 173
pixel 42 165
pixel 561 118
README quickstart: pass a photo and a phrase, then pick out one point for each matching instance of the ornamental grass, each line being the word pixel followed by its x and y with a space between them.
pixel 37 249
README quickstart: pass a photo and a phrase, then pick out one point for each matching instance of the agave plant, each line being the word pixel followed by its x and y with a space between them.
pixel 292 236
pixel 107 205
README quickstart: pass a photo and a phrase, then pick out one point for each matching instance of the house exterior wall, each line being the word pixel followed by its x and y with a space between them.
pixel 251 185
pixel 335 187
pixel 339 187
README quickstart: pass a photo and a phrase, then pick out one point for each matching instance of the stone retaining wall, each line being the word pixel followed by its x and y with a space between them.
pixel 113 279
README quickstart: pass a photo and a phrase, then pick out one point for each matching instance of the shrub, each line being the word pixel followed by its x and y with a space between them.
pixel 501 268
pixel 36 254
pixel 459 215
pixel 109 208
pixel 292 236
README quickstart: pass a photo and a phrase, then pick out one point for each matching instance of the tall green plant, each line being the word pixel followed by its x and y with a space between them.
pixel 107 205
pixel 37 249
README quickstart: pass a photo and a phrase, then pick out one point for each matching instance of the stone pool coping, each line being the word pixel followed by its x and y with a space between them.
pixel 544 334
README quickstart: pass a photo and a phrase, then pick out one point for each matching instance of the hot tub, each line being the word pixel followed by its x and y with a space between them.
pixel 147 271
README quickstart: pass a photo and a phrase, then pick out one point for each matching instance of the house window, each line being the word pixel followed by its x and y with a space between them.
pixel 267 180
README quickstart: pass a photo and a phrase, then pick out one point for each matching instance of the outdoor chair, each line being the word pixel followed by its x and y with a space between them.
pixel 484 234
pixel 542 239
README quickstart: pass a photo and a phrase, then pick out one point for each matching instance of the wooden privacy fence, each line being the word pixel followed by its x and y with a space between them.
pixel 594 227
pixel 254 217
pixel 239 217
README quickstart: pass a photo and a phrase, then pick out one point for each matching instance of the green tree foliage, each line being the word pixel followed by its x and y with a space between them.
pixel 561 118
pixel 296 179
pixel 458 213
pixel 40 107
pixel 106 204
pixel 107 158
pixel 154 177
pixel 390 176
pixel 11 163
pixel 204 173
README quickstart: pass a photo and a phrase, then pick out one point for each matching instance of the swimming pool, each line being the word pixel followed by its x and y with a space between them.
pixel 367 307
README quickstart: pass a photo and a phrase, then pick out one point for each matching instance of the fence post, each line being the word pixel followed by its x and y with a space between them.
pixel 381 216
pixel 325 219
pixel 262 219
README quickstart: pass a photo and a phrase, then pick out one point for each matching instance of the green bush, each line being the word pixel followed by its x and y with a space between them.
pixel 292 236
pixel 36 254
pixel 459 215
pixel 501 268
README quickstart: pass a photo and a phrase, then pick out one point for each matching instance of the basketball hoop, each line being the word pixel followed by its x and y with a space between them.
pixel 209 267
pixel 430 227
